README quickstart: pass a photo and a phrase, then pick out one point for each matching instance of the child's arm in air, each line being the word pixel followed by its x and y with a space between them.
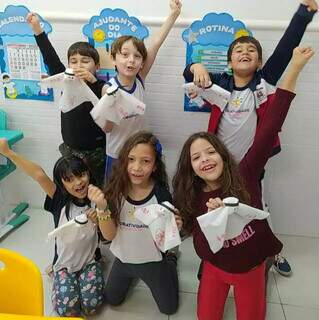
pixel 259 153
pixel 160 36
pixel 30 168
pixel 50 57
pixel 278 61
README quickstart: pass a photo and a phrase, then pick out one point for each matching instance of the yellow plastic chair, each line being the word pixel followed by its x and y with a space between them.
pixel 21 288
pixel 4 316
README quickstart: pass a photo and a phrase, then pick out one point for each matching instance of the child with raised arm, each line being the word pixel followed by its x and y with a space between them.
pixel 78 282
pixel 207 173
pixel 81 136
pixel 252 87
pixel 138 179
pixel 133 63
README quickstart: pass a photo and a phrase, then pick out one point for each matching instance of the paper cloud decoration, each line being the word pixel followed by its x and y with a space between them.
pixel 13 22
pixel 113 23
pixel 219 29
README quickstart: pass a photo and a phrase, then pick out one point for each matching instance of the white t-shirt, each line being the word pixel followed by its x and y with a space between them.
pixel 127 127
pixel 77 248
pixel 238 123
pixel 133 242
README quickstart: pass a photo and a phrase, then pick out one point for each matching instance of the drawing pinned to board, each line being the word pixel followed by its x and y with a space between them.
pixel 21 63
pixel 103 29
pixel 207 42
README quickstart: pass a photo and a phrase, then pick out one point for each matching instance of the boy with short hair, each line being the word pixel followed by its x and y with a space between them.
pixel 251 89
pixel 133 62
pixel 82 137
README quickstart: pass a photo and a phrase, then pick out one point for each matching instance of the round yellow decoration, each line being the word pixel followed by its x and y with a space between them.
pixel 99 35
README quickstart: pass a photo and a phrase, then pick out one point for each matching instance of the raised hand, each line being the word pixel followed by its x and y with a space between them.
pixel 311 4
pixel 97 196
pixel 34 22
pixel 175 6
pixel 300 56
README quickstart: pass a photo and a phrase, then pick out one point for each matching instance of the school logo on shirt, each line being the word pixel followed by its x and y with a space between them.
pixel 236 103
pixel 131 212
pixel 260 94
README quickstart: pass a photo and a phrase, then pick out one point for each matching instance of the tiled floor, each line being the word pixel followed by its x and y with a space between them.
pixel 292 298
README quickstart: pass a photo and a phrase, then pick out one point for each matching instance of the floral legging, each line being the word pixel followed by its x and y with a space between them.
pixel 78 292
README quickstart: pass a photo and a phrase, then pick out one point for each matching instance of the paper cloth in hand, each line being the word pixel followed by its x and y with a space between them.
pixel 67 228
pixel 161 222
pixel 214 94
pixel 116 105
pixel 74 91
pixel 227 222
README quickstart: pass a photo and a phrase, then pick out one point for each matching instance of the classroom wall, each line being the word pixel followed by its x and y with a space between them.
pixel 291 180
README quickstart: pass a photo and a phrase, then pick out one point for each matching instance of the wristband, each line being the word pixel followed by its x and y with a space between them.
pixel 103 215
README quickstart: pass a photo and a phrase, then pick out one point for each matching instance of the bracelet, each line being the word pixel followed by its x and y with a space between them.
pixel 103 215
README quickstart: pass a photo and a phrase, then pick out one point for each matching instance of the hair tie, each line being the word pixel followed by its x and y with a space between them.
pixel 158 147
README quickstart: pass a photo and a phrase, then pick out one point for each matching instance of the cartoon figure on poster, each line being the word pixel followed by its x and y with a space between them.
pixel 207 42
pixel 21 64
pixel 102 30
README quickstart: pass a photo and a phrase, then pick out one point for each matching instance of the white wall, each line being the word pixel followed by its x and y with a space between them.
pixel 291 176
pixel 243 10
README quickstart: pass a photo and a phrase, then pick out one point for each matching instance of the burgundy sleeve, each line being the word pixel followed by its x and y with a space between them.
pixel 259 153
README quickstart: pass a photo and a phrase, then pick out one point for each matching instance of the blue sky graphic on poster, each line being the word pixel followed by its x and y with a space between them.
pixel 21 63
pixel 102 30
pixel 207 42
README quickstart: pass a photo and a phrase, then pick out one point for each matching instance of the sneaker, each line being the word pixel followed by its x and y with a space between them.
pixel 282 266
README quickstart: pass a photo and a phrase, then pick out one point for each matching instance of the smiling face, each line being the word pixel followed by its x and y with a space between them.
pixel 77 185
pixel 128 60
pixel 141 164
pixel 206 162
pixel 244 59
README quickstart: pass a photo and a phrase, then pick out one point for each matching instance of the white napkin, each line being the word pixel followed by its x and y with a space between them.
pixel 76 222
pixel 215 95
pixel 74 91
pixel 227 222
pixel 160 220
pixel 116 105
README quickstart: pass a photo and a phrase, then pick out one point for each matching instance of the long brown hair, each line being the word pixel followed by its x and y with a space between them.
pixel 118 185
pixel 187 185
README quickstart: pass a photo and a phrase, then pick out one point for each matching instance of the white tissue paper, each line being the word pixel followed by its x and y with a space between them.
pixel 215 95
pixel 67 228
pixel 74 91
pixel 227 222
pixel 116 105
pixel 162 224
